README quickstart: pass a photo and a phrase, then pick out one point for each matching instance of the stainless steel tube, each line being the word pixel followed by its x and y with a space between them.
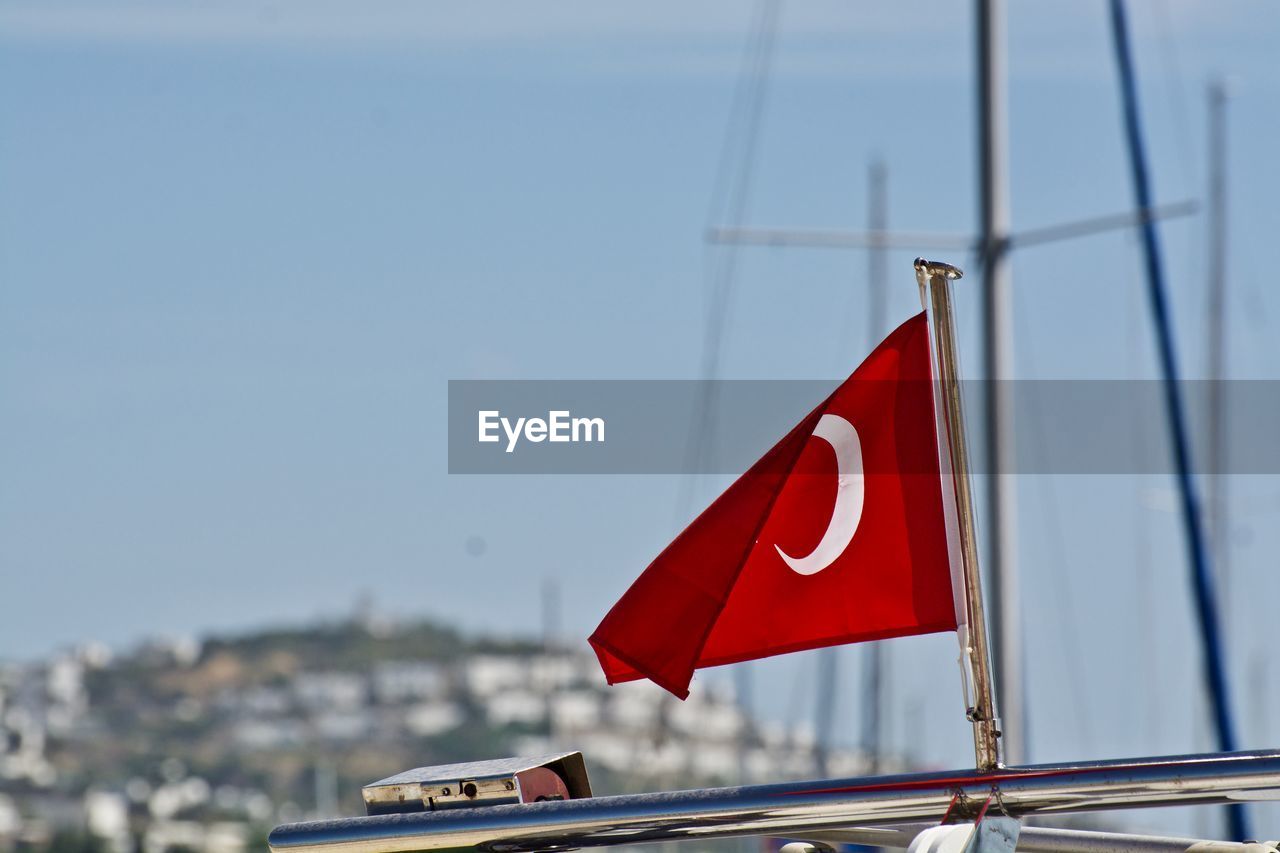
pixel 799 809
pixel 1040 839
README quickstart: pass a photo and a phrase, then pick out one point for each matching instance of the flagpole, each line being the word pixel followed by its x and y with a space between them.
pixel 937 278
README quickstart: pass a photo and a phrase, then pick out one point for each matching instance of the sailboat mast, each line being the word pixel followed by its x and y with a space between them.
pixel 997 351
pixel 878 323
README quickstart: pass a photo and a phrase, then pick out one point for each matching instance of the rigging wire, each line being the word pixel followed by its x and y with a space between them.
pixel 1068 635
pixel 719 271
pixel 746 118
pixel 744 93
pixel 730 195
pixel 1148 625
pixel 730 199
pixel 1215 674
pixel 1176 92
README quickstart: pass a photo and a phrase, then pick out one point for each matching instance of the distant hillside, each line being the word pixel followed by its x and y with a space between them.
pixel 180 746
pixel 351 645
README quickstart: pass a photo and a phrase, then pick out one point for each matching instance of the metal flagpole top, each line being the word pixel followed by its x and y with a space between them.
pixel 927 267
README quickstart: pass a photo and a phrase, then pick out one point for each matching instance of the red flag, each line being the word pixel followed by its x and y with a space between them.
pixel 837 535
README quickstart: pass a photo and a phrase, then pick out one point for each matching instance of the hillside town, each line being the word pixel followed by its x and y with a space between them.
pixel 202 746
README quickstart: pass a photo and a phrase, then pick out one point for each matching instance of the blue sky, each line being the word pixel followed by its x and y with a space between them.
pixel 244 246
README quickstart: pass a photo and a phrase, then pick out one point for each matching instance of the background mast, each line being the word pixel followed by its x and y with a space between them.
pixel 997 314
pixel 878 323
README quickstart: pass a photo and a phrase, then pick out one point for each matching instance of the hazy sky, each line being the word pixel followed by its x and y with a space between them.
pixel 243 247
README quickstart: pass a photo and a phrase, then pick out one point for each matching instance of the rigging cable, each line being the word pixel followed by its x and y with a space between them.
pixel 730 195
pixel 1202 582
pixel 1176 92
pixel 729 200
pixel 1068 634
pixel 1148 625
pixel 745 119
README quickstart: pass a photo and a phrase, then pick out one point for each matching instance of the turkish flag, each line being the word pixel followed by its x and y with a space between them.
pixel 839 534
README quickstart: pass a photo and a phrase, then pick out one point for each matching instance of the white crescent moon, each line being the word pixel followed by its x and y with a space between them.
pixel 850 491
